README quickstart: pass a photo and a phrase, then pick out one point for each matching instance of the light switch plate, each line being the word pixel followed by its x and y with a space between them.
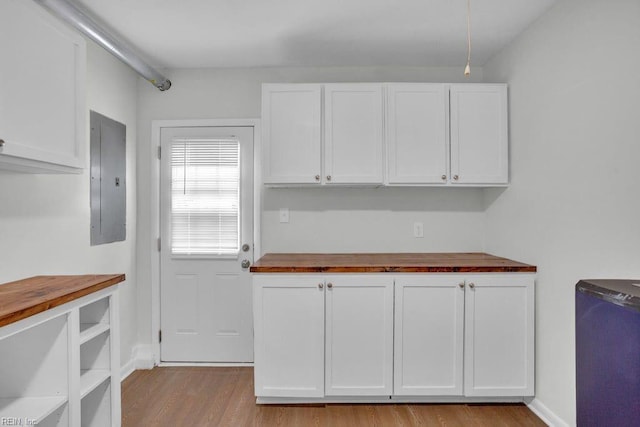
pixel 418 230
pixel 284 215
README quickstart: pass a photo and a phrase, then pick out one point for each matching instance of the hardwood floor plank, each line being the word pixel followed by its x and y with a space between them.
pixel 205 396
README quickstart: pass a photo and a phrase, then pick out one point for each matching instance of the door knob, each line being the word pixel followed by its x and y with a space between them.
pixel 455 177
pixel 329 285
pixel 328 177
pixel 444 177
pixel 1 142
pixel 245 263
pixel 320 285
pixel 317 177
pixel 472 285
pixel 461 285
pixel 245 248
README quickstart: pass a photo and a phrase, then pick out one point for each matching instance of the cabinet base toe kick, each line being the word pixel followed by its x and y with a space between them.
pixel 262 400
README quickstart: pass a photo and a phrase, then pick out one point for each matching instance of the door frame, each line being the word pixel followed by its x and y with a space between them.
pixel 154 223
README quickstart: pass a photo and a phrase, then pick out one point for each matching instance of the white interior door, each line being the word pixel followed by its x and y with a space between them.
pixel 206 219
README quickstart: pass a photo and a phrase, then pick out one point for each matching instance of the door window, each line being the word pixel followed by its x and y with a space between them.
pixel 205 197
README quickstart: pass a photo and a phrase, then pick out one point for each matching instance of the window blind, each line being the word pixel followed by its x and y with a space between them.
pixel 205 197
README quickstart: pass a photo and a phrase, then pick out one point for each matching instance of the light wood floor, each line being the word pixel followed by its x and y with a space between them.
pixel 197 397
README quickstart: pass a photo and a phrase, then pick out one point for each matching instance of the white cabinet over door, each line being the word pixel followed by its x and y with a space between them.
pixel 429 319
pixel 289 336
pixel 359 335
pixel 417 144
pixel 42 91
pixel 291 117
pixel 353 133
pixel 479 135
pixel 499 335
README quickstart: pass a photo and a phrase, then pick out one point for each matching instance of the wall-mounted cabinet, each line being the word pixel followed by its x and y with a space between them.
pixel 42 91
pixel 353 123
pixel 397 134
pixel 291 117
pixel 417 131
pixel 479 135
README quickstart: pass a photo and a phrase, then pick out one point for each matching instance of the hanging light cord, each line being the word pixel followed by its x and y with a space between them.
pixel 467 69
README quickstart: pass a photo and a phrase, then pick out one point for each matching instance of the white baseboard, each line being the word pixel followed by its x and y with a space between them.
pixel 545 414
pixel 141 358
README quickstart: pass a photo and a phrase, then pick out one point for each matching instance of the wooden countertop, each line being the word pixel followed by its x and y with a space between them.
pixel 24 298
pixel 475 262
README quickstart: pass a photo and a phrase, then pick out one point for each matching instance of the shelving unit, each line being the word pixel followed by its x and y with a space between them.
pixel 60 351
pixel 34 372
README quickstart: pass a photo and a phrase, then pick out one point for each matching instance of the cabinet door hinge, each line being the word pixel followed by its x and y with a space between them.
pixel 160 335
pixel 159 152
pixel 159 244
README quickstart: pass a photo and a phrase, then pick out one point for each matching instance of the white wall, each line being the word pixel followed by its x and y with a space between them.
pixel 45 219
pixel 331 220
pixel 572 207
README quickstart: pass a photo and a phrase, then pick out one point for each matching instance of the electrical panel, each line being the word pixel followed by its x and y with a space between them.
pixel 108 180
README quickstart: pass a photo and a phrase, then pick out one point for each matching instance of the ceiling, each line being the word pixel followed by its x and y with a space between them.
pixel 249 33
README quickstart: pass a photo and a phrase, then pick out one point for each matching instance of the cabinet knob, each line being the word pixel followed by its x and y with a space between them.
pixel 444 177
pixel 320 285
pixel 461 285
pixel 1 142
pixel 317 177
pixel 329 285
pixel 328 177
pixel 245 263
pixel 472 285
pixel 455 177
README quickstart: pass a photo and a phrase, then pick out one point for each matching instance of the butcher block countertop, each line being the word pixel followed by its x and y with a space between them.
pixel 24 298
pixel 472 262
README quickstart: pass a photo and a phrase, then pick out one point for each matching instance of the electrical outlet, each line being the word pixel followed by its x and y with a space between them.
pixel 418 230
pixel 284 215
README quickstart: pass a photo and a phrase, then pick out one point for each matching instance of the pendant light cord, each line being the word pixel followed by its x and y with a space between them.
pixel 467 70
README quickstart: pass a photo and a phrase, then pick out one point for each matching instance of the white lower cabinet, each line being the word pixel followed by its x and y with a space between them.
pixel 289 336
pixel 429 320
pixel 440 335
pixel 359 335
pixel 499 336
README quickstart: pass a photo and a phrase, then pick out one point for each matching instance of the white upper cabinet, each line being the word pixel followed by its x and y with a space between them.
pixel 353 133
pixel 417 145
pixel 479 136
pixel 397 134
pixel 291 117
pixel 42 91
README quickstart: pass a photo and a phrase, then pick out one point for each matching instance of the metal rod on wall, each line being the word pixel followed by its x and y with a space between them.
pixel 73 15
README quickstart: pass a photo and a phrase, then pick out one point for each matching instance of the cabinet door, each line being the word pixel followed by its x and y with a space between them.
pixel 417 146
pixel 499 335
pixel 42 91
pixel 353 134
pixel 479 137
pixel 359 335
pixel 289 336
pixel 291 117
pixel 429 318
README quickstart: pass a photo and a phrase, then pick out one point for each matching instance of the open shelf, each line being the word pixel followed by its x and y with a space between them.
pixel 96 407
pixel 92 378
pixel 89 331
pixel 37 408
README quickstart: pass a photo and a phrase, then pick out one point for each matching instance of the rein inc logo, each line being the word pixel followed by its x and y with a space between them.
pixel 17 421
